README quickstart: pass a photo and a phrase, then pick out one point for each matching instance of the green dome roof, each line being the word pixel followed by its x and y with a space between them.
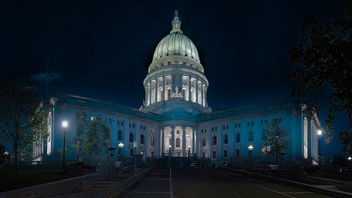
pixel 176 43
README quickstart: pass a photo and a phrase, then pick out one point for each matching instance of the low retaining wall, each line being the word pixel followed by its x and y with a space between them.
pixel 64 186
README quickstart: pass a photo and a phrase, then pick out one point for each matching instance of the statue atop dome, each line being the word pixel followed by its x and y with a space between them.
pixel 176 24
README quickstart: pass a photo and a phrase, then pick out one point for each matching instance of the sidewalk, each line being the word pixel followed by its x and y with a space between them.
pixel 328 189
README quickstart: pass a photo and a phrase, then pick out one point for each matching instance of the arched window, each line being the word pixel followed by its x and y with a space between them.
pixel 214 140
pixel 226 139
pixel 178 142
pixel 204 142
pixel 119 135
pixel 142 138
pixel 131 137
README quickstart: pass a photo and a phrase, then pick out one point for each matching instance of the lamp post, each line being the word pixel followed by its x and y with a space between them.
pixel 169 155
pixel 189 151
pixel 320 133
pixel 120 145
pixel 134 150
pixel 64 125
pixel 250 150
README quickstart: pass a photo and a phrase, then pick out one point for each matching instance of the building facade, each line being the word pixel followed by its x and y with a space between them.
pixel 175 118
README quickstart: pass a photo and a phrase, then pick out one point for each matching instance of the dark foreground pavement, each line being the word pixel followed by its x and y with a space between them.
pixel 210 183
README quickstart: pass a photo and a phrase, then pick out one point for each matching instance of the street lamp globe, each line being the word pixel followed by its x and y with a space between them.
pixel 250 147
pixel 121 145
pixel 319 132
pixel 64 124
pixel 349 158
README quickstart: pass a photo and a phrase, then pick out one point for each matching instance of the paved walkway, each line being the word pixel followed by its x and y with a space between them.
pixel 211 183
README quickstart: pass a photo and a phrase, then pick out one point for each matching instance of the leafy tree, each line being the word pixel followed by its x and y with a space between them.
pixel 97 137
pixel 346 141
pixel 275 138
pixel 2 155
pixel 323 61
pixel 78 145
pixel 22 118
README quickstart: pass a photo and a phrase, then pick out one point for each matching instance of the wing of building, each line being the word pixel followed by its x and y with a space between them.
pixel 175 118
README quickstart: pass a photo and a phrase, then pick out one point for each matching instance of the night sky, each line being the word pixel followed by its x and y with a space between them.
pixel 102 49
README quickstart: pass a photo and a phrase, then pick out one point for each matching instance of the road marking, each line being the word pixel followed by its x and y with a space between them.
pixel 147 192
pixel 230 191
pixel 299 192
pixel 171 190
pixel 157 179
pixel 270 189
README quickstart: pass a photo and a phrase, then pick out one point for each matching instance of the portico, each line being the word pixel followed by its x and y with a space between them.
pixel 178 141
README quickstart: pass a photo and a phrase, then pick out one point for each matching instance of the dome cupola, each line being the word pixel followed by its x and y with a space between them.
pixel 175 78
pixel 176 44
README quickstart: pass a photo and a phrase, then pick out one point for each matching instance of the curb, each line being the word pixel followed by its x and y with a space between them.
pixel 317 189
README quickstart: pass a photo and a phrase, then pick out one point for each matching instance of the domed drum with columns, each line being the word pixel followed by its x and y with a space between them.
pixel 175 77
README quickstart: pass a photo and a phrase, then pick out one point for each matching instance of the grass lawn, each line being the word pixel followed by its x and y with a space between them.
pixel 28 177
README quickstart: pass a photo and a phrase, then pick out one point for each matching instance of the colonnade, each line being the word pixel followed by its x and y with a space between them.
pixel 164 88
pixel 178 141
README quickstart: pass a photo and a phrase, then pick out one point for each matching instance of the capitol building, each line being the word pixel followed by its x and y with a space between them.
pixel 175 118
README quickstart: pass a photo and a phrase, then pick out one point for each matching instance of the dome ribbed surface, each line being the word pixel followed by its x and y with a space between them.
pixel 176 43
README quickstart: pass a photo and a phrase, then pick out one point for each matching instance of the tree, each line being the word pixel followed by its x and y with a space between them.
pixel 346 141
pixel 323 61
pixel 275 139
pixel 97 137
pixel 2 153
pixel 22 118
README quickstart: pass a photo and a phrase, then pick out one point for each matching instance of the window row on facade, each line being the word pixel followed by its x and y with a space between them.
pixel 226 153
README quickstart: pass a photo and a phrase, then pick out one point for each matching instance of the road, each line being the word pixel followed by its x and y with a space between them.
pixel 205 183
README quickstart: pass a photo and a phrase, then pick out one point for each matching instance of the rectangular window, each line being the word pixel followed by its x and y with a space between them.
pixel 238 137
pixel 226 139
pixel 250 136
pixel 214 154
pixel 238 125
pixel 225 153
pixel 237 152
pixel 131 152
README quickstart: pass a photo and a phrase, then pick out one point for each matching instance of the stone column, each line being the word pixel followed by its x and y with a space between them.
pixel 149 93
pixel 156 91
pixel 197 89
pixel 173 140
pixel 163 91
pixel 193 141
pixel 162 141
pixel 189 89
pixel 184 141
pixel 202 94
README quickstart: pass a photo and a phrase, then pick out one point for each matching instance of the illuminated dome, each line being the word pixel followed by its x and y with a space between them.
pixel 176 45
